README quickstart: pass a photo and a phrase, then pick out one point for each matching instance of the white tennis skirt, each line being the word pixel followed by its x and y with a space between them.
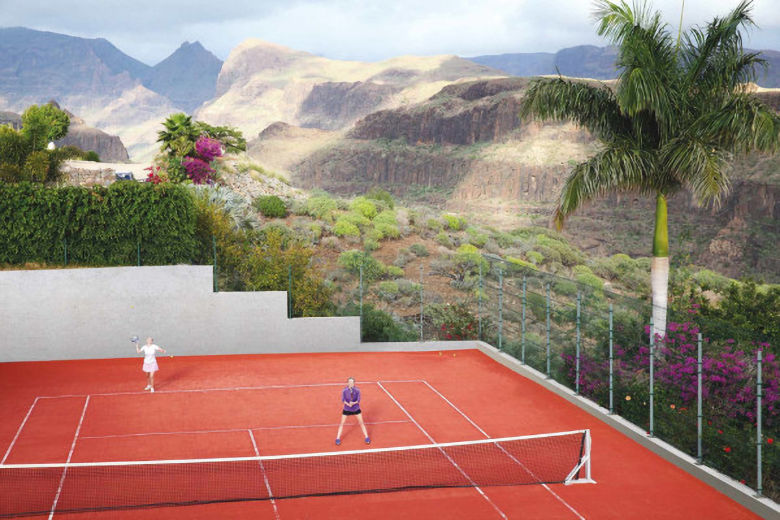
pixel 151 366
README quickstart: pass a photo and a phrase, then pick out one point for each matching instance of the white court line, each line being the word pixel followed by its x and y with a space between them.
pixel 8 451
pixel 545 486
pixel 474 484
pixel 229 430
pixel 265 475
pixel 70 454
pixel 226 389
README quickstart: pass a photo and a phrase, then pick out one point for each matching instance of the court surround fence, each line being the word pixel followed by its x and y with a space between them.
pixel 717 401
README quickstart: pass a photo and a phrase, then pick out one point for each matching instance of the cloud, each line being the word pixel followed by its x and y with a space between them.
pixel 355 29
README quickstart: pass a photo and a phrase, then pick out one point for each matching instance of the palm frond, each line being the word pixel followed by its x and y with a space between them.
pixel 594 108
pixel 618 168
pixel 740 124
pixel 714 57
pixel 699 166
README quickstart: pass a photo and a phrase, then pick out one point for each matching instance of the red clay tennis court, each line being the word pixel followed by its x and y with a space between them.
pixel 268 405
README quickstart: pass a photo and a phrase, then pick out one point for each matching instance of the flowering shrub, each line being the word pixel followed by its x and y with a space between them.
pixel 208 149
pixel 198 170
pixel 155 175
pixel 453 322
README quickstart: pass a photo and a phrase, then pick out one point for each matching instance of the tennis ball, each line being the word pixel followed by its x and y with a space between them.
pixel 440 353
pixel 453 355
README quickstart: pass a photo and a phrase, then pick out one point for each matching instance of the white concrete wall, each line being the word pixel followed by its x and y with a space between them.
pixel 92 313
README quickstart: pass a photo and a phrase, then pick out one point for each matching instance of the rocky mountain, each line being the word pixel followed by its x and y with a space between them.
pixel 108 88
pixel 589 61
pixel 464 149
pixel 108 147
pixel 261 83
pixel 188 77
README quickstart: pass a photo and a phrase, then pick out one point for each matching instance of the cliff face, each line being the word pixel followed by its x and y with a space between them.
pixel 108 147
pixel 466 149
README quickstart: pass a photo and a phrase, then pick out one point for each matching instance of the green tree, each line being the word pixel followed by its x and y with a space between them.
pixel 231 138
pixel 42 124
pixel 678 115
pixel 179 135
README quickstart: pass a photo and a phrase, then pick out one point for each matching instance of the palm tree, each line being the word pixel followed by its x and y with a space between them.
pixel 678 115
pixel 179 136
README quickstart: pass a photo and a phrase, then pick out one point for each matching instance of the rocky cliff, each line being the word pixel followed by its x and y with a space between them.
pixel 466 150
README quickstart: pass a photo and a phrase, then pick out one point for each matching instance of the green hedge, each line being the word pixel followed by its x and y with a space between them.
pixel 101 226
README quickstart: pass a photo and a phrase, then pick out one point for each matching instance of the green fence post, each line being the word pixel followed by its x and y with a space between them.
pixel 361 294
pixel 479 304
pixel 500 308
pixel 421 301
pixel 138 253
pixel 289 291
pixel 652 382
pixel 759 394
pixel 65 249
pixel 611 357
pixel 522 330
pixel 699 415
pixel 214 245
pixel 577 369
pixel 548 329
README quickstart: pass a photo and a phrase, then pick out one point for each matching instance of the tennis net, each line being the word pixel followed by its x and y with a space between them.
pixel 41 489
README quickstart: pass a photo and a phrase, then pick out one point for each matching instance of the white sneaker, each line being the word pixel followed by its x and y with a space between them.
pixel 151 389
pixel 147 387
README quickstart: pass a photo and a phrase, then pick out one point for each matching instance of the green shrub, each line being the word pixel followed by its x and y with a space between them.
pixel 363 206
pixel 13 148
pixel 710 280
pixel 91 155
pixel 581 269
pixel 434 224
pixel 355 218
pixel 388 230
pixel 369 244
pixel 377 325
pixel 270 206
pixel 419 250
pixel 443 239
pixel 386 217
pixel 535 257
pixel 344 228
pixel 454 222
pixel 388 290
pixel 36 166
pixel 565 287
pixel 569 256
pixel 517 264
pixel 316 230
pixel 321 207
pixel 394 271
pixel 476 238
pixel 381 195
pixel 591 280
pixel 408 288
pixel 353 260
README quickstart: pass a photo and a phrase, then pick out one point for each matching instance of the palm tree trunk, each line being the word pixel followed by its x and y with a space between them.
pixel 659 269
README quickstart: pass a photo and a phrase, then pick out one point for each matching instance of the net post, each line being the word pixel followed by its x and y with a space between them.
pixel 547 305
pixel 611 357
pixel 289 292
pixel 500 308
pixel 422 311
pixel 479 304
pixel 577 371
pixel 759 395
pixel 522 330
pixel 214 246
pixel 699 415
pixel 651 432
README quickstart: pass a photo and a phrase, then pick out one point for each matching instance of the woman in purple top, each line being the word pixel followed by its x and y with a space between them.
pixel 350 396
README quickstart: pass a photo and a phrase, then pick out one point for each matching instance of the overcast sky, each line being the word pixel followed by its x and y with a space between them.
pixel 368 30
